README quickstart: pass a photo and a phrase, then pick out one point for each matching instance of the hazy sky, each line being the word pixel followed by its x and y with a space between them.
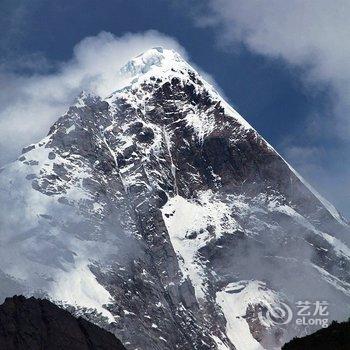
pixel 284 65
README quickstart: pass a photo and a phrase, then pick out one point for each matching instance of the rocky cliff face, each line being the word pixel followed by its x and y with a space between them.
pixel 32 324
pixel 161 214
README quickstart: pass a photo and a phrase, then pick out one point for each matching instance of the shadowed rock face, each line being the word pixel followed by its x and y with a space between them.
pixel 33 324
pixel 335 337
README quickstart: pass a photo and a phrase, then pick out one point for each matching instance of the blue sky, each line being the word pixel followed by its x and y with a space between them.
pixel 283 68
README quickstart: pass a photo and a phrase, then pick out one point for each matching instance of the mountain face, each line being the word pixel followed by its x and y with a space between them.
pixel 32 324
pixel 160 214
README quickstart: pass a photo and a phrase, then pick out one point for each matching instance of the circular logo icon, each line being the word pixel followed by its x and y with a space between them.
pixel 278 314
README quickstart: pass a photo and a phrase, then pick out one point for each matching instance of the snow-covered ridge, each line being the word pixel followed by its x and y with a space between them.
pixel 156 57
pixel 155 62
pixel 166 64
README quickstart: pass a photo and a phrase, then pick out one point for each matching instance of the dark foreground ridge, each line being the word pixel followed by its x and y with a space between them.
pixel 33 324
pixel 335 337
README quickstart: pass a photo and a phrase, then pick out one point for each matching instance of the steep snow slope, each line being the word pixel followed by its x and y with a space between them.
pixel 160 213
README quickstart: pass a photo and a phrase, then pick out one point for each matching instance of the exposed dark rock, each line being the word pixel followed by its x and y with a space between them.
pixel 146 135
pixel 27 149
pixel 334 337
pixel 34 324
pixel 136 127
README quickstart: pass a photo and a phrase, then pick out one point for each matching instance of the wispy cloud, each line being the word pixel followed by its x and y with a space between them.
pixel 31 103
pixel 13 23
pixel 311 35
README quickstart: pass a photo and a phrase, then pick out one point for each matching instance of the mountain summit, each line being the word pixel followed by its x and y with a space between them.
pixel 156 58
pixel 160 214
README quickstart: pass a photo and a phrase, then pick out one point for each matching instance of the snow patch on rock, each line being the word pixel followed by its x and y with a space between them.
pixel 191 225
pixel 234 300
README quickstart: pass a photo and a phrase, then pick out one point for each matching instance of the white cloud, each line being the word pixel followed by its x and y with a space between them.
pixel 312 35
pixel 332 179
pixel 30 104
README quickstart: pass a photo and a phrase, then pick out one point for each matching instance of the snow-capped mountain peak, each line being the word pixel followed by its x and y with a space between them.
pixel 156 210
pixel 153 59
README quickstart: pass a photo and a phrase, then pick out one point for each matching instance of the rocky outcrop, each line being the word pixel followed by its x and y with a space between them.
pixel 34 324
pixel 334 337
